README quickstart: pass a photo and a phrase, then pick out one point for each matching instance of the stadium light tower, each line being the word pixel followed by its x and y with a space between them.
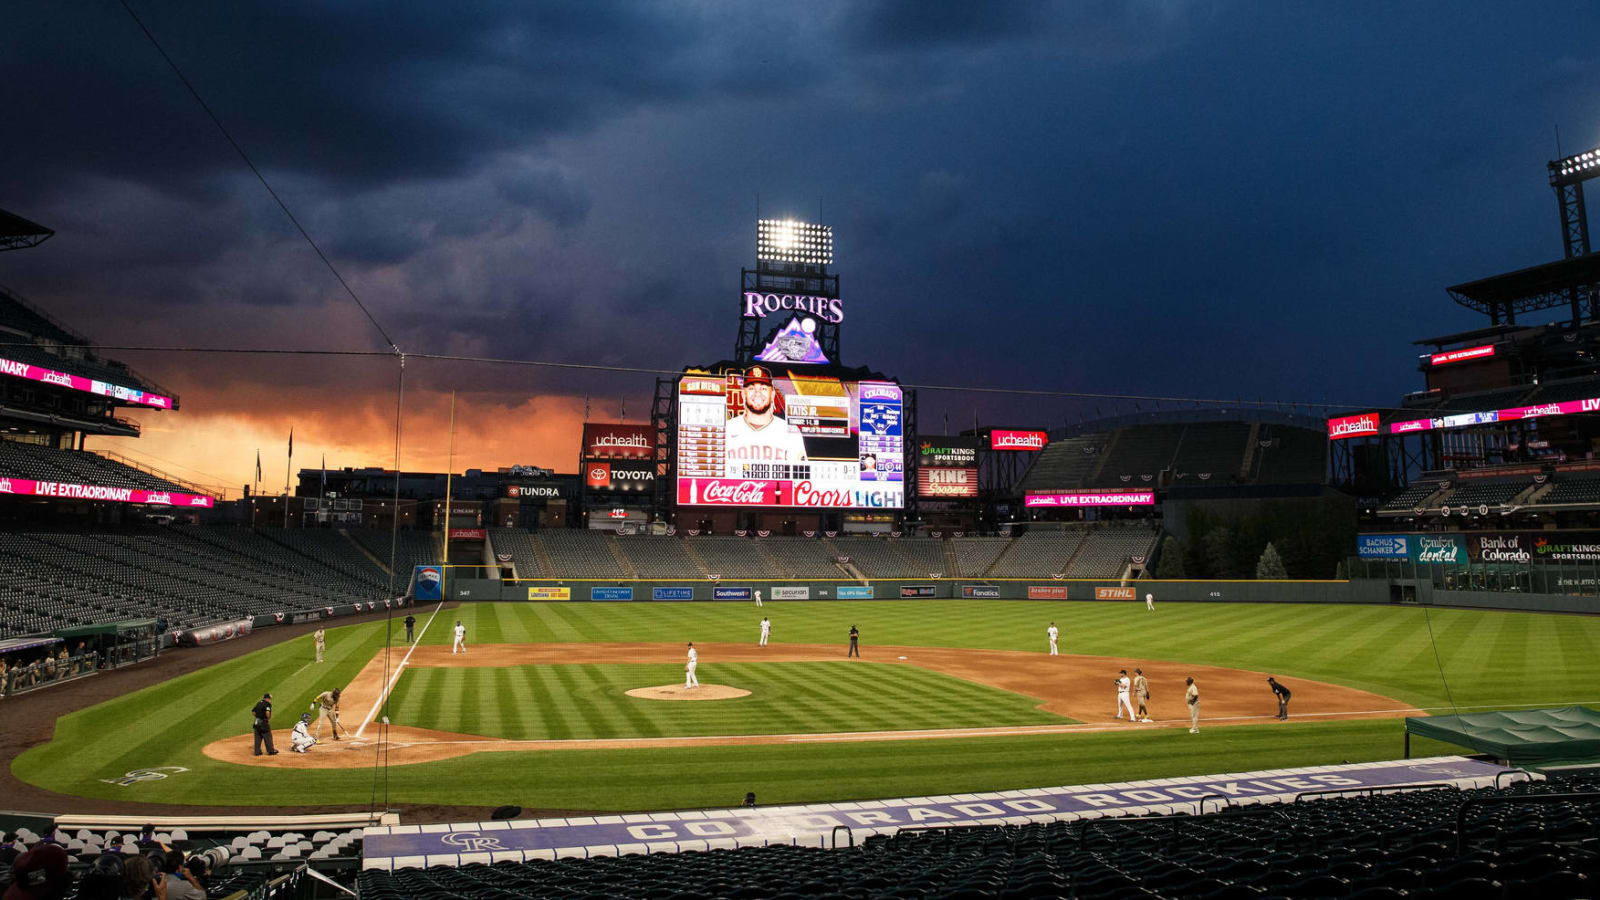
pixel 1567 177
pixel 792 260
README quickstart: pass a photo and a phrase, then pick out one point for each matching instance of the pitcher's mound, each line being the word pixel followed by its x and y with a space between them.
pixel 679 692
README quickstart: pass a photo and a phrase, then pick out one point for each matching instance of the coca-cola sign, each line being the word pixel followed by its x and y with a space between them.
pixel 808 494
pixel 1005 439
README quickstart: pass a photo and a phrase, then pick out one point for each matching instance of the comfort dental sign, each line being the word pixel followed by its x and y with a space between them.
pixel 400 846
pixel 87 385
pixel 758 305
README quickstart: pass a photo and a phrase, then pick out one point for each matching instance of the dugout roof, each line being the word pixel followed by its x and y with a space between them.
pixel 1533 737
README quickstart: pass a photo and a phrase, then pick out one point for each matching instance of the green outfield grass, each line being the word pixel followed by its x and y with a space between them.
pixel 589 701
pixel 1489 659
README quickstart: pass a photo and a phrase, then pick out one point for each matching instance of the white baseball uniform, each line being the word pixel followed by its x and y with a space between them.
pixel 766 629
pixel 689 679
pixel 1123 684
pixel 1150 601
pixel 461 640
pixel 1054 633
pixel 758 597
pixel 300 739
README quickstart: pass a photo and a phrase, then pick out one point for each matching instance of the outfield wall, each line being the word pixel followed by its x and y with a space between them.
pixel 1370 591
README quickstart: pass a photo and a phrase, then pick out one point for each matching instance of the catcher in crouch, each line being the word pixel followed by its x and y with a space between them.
pixel 328 704
pixel 300 739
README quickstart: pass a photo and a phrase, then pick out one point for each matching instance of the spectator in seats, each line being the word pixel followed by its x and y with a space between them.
pixel 139 880
pixel 9 851
pixel 103 881
pixel 147 837
pixel 181 883
pixel 3 675
pixel 40 874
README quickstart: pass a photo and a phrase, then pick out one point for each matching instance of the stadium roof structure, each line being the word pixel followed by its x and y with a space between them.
pixel 1530 737
pixel 17 233
pixel 1566 282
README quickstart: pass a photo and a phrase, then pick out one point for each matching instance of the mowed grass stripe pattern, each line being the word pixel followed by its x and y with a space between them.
pixel 590 701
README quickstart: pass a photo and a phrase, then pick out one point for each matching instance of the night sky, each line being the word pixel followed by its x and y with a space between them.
pixel 1187 199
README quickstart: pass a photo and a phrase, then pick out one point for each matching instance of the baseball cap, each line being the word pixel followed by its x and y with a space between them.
pixel 758 375
pixel 39 874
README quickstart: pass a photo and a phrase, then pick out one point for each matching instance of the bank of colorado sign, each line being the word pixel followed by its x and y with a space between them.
pixel 62 491
pixel 758 305
pixel 806 494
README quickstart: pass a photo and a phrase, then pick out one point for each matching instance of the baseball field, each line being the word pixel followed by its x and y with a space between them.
pixel 948 697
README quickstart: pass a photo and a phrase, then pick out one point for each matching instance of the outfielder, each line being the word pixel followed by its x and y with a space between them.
pixel 1123 684
pixel 1150 602
pixel 758 597
pixel 1054 633
pixel 460 646
pixel 328 704
pixel 319 638
pixel 766 630
pixel 689 679
pixel 300 739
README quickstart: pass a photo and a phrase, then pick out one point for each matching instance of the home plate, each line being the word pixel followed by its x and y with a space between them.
pixel 679 692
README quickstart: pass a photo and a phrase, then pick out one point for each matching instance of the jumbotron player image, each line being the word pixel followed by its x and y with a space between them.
pixel 759 440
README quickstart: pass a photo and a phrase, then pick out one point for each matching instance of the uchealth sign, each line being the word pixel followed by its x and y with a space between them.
pixel 808 494
pixel 615 441
pixel 1092 498
pixel 1352 426
pixel 60 490
pixel 1462 355
pixel 396 847
pixel 87 385
pixel 1006 439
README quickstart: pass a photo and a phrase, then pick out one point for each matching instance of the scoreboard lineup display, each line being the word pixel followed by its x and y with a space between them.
pixel 814 441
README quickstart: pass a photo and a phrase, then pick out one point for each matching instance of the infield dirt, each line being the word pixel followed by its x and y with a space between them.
pixel 1079 687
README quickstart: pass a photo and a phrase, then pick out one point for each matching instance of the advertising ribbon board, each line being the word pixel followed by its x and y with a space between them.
pixel 672 593
pixel 974 591
pixel 1047 592
pixel 731 593
pixel 918 590
pixel 853 592
pixel 549 593
pixel 68 491
pixel 1383 546
pixel 611 593
pixel 1566 546
pixel 791 593
pixel 1091 498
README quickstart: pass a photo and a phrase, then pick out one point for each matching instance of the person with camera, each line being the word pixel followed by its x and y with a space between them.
pixel 181 881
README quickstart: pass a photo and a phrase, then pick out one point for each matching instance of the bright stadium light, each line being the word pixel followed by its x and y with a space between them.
pixel 1586 163
pixel 786 240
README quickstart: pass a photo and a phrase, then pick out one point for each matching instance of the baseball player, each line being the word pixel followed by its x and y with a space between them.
pixel 300 739
pixel 689 679
pixel 1054 633
pixel 328 704
pixel 1283 697
pixel 855 645
pixel 1141 690
pixel 1123 686
pixel 1150 602
pixel 1191 695
pixel 766 630
pixel 460 646
pixel 319 638
pixel 758 597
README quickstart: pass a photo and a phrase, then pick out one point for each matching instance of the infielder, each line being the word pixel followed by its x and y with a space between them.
pixel 300 739
pixel 1192 697
pixel 319 638
pixel 766 630
pixel 689 679
pixel 460 646
pixel 1141 689
pixel 1054 633
pixel 328 704
pixel 1150 602
pixel 758 597
pixel 1123 685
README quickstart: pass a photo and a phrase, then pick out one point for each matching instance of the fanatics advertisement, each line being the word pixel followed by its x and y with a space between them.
pixel 618 441
pixel 64 491
pixel 1092 498
pixel 770 437
pixel 87 385
pixel 1005 439
pixel 941 482
pixel 974 591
